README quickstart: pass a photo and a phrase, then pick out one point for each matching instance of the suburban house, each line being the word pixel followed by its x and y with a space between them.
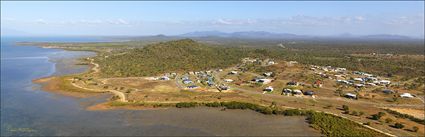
pixel 271 63
pixel 297 92
pixel 384 82
pixel 340 69
pixel 268 74
pixel 268 89
pixel 192 87
pixel 286 91
pixel 187 81
pixel 263 81
pixel 210 82
pixel 185 78
pixel 228 80
pixel 387 91
pixel 291 63
pixel 358 73
pixel 371 84
pixel 223 87
pixel 309 93
pixel 248 60
pixel 233 72
pixel 164 78
pixel 292 83
pixel 371 79
pixel 358 85
pixel 406 95
pixel 358 79
pixel 343 81
pixel 350 95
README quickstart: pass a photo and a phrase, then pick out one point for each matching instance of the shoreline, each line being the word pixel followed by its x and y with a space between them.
pixel 53 84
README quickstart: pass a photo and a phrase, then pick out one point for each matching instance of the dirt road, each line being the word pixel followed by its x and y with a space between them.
pixel 96 69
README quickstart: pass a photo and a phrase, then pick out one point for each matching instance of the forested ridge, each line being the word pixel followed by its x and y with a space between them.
pixel 177 55
pixel 189 55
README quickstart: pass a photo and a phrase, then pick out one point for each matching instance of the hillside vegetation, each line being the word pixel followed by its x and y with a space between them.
pixel 178 55
pixel 188 55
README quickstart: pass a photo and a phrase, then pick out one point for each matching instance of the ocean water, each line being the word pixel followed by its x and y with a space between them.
pixel 27 110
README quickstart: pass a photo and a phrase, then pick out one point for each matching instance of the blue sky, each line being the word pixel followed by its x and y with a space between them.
pixel 170 18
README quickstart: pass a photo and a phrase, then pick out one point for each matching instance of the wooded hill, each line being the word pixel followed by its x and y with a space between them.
pixel 189 55
pixel 173 56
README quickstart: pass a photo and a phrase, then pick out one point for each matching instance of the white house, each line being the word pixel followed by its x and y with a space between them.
pixel 406 95
pixel 268 74
pixel 264 81
pixel 368 75
pixel 371 84
pixel 371 78
pixel 187 81
pixel 233 72
pixel 358 85
pixel 223 87
pixel 350 95
pixel 271 63
pixel 340 69
pixel 268 89
pixel 384 82
pixel 286 91
pixel 358 79
pixel 297 92
pixel 228 80
pixel 164 78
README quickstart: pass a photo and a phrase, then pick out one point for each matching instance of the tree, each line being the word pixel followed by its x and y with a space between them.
pixel 388 120
pixel 354 113
pixel 398 125
pixel 346 109
pixel 377 116
pixel 381 114
pixel 415 129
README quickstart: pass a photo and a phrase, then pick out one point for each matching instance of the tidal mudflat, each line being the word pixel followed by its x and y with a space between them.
pixel 28 110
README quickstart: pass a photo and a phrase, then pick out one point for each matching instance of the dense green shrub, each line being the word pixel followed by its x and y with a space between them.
pixel 213 104
pixel 415 129
pixel 186 104
pixel 335 126
pixel 398 125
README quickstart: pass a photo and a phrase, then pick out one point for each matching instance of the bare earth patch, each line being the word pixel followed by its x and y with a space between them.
pixel 52 84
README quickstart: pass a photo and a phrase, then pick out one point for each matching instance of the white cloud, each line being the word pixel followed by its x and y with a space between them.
pixel 41 21
pixel 118 22
pixel 406 20
pixel 321 21
pixel 360 18
pixel 233 22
